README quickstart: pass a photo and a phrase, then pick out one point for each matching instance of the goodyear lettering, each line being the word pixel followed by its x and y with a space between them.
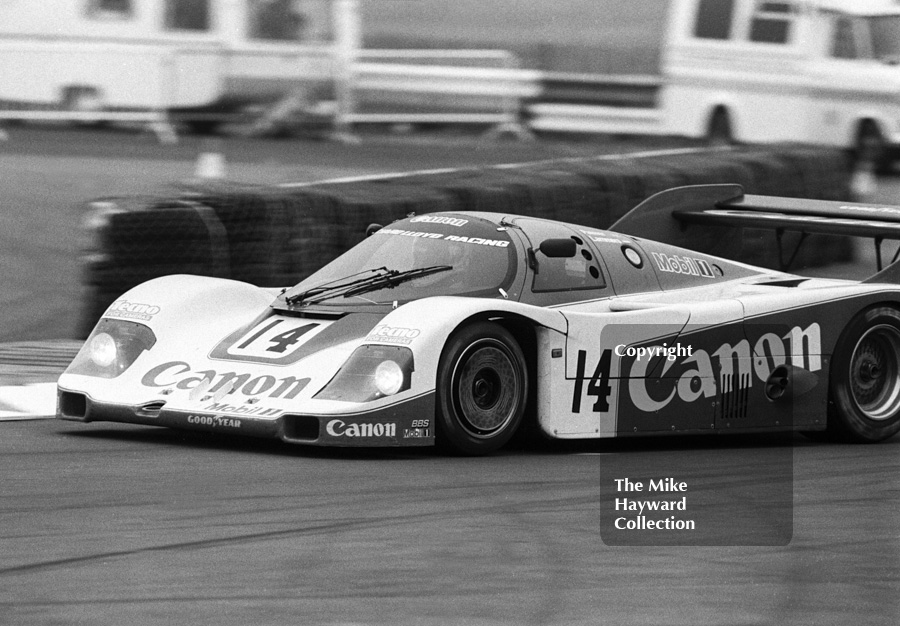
pixel 179 374
pixel 214 421
pixel 339 428
pixel 124 309
pixel 736 366
pixel 675 264
pixel 433 219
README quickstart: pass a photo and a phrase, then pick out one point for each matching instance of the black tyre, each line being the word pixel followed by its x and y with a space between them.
pixel 865 378
pixel 719 133
pixel 482 389
pixel 871 148
pixel 203 126
pixel 82 100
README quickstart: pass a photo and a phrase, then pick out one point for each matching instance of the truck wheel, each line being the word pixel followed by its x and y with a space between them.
pixel 482 387
pixel 871 148
pixel 865 378
pixel 81 99
pixel 203 127
pixel 718 133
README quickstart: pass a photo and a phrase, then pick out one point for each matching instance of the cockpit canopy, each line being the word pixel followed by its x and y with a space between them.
pixel 464 256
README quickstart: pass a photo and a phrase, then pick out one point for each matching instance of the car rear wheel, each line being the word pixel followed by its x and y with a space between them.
pixel 482 388
pixel 865 378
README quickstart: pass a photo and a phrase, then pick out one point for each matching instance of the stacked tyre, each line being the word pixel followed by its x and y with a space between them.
pixel 274 237
pixel 133 241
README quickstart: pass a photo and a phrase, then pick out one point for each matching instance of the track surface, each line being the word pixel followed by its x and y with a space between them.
pixel 108 524
pixel 105 524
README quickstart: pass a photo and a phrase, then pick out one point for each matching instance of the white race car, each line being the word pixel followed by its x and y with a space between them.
pixel 455 328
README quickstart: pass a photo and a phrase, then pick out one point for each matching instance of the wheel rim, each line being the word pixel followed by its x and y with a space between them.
pixel 875 372
pixel 486 384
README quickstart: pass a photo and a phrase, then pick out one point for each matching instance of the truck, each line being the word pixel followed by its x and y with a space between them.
pixel 821 72
pixel 197 60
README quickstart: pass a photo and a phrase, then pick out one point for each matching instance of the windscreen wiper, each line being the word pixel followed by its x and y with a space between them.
pixel 326 287
pixel 384 279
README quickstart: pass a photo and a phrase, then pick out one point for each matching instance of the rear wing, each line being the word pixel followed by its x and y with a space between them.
pixel 667 216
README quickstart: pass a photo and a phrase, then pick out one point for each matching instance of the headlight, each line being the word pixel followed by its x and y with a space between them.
pixel 102 350
pixel 112 348
pixel 371 372
pixel 389 378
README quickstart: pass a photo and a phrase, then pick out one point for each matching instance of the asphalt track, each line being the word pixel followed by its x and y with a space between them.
pixel 108 524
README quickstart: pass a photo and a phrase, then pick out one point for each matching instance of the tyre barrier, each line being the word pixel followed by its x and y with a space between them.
pixel 276 236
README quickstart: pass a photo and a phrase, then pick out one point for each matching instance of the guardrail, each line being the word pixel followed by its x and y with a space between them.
pixel 439 86
pixel 610 104
pixel 586 118
pixel 157 121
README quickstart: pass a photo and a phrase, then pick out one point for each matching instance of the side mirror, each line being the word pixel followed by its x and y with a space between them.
pixel 558 248
pixel 372 229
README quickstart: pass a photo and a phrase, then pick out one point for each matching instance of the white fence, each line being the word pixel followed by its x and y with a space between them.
pixel 584 118
pixel 439 86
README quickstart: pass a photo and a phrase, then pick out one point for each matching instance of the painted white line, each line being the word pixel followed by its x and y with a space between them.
pixel 36 401
pixel 643 154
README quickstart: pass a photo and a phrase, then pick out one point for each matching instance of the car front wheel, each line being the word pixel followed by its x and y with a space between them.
pixel 482 389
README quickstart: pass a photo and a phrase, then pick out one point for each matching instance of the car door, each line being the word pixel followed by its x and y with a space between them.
pixel 590 390
pixel 554 281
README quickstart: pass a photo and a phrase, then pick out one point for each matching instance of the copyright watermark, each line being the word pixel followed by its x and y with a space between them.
pixel 671 353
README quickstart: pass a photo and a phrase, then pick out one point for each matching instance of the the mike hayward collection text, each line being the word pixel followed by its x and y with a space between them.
pixel 650 514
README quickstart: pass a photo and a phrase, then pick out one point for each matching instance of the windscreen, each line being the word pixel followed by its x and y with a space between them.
pixel 480 253
pixel 886 37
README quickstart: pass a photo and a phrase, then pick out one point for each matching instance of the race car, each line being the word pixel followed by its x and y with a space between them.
pixel 457 329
